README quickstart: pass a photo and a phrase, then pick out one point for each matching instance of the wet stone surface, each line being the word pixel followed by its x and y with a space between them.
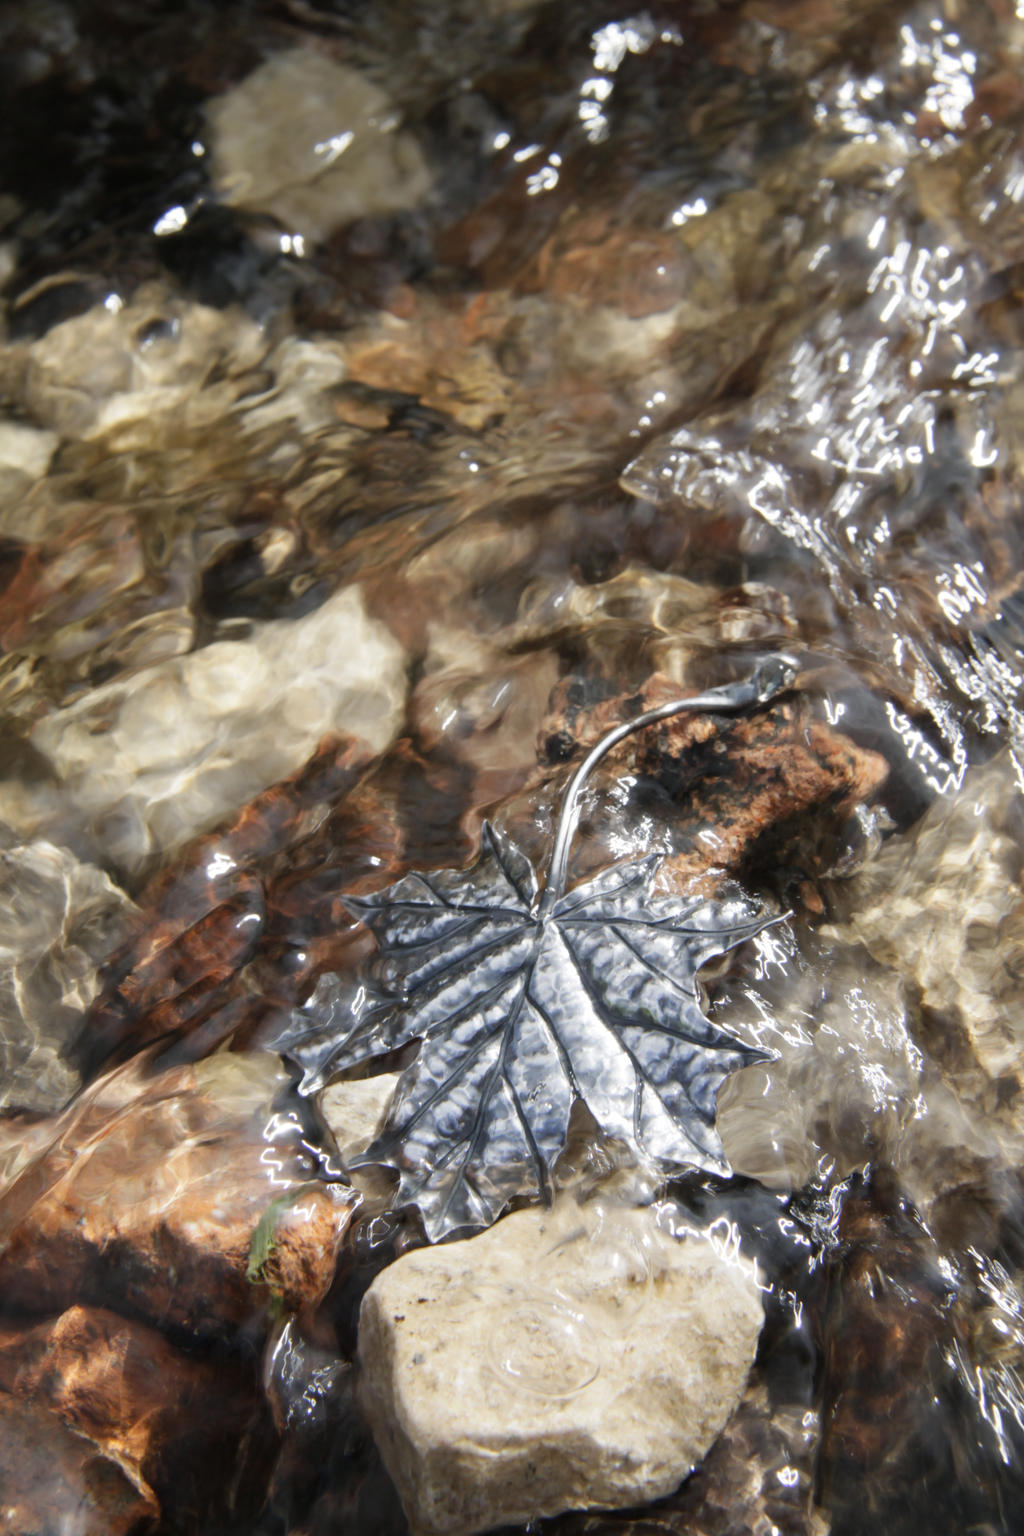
pixel 759 1475
pixel 48 1470
pixel 584 1356
pixel 393 399
pixel 163 1416
pixel 129 1202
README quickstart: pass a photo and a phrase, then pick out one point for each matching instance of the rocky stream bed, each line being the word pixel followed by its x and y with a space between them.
pixel 397 397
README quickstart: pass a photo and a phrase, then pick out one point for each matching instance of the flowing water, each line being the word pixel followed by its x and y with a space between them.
pixel 392 396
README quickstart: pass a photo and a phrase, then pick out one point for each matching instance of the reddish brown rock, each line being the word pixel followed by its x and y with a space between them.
pixel 185 1199
pixel 742 783
pixel 53 1481
pixel 442 354
pixel 233 933
pixel 590 259
pixel 203 917
pixel 173 1423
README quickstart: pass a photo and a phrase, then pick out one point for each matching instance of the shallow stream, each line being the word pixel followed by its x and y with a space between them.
pixel 393 397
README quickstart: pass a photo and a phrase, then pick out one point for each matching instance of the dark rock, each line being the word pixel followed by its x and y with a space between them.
pixel 741 788
pixel 903 1447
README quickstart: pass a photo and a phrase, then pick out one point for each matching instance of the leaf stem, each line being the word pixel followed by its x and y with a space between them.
pixel 774 675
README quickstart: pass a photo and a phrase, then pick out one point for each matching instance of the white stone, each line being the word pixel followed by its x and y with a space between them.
pixel 130 374
pixel 58 920
pixel 151 759
pixel 26 449
pixel 304 374
pixel 356 1111
pixel 581 1357
pixel 315 144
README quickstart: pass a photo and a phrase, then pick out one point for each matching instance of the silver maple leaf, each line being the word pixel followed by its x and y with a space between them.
pixel 526 1002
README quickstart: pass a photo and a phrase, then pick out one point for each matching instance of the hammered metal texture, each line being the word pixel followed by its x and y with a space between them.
pixel 521 1014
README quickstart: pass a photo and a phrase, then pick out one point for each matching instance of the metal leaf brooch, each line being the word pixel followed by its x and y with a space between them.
pixel 526 1000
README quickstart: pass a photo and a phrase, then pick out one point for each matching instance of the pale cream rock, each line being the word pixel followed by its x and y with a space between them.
pixel 151 759
pixel 304 374
pixel 135 373
pixel 161 369
pixel 8 248
pixel 900 1036
pixel 943 906
pixel 314 143
pixel 356 1111
pixel 614 341
pixel 59 919
pixel 25 450
pixel 585 1356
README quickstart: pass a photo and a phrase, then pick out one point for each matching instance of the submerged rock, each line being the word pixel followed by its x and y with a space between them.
pixel 148 762
pixel 943 907
pixel 185 1198
pixel 25 454
pixel 59 919
pixel 895 1419
pixel 848 1079
pixel 158 1414
pixel 757 1480
pixel 51 1476
pixel 580 1357
pixel 124 372
pixel 83 600
pixel 313 143
pixel 735 793
pixel 482 704
pixel 895 1030
pixel 202 919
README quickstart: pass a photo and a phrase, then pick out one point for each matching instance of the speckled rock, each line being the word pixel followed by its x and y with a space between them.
pixel 581 1357
pixel 944 908
pixel 847 1075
